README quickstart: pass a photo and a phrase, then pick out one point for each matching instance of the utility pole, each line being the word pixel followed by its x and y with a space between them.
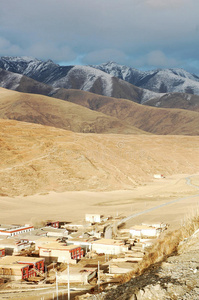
pixel 98 276
pixel 57 287
pixel 68 282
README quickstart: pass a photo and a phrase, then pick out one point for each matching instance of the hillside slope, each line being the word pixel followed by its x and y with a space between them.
pixel 150 119
pixel 176 100
pixel 38 159
pixel 62 114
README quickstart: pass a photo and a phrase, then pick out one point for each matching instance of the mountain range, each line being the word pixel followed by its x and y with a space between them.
pixel 159 81
pixel 158 88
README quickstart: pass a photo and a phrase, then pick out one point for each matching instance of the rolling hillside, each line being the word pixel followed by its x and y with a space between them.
pixel 39 159
pixel 150 119
pixel 61 114
pixel 176 100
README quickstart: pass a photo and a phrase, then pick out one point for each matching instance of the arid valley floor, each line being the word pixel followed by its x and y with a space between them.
pixel 72 206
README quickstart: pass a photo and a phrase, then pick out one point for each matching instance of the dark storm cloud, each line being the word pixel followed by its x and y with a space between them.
pixel 142 33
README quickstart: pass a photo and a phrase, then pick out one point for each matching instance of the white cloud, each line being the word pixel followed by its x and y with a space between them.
pixel 51 51
pixel 104 55
pixel 156 59
pixel 7 48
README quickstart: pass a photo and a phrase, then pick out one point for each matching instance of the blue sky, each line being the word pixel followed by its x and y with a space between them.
pixel 144 34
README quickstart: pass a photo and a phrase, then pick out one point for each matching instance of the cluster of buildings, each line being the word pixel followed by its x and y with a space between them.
pixel 27 253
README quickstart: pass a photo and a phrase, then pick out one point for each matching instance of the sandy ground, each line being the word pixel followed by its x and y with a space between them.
pixel 72 206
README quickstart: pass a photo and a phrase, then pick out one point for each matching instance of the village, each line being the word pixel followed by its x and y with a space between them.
pixel 77 256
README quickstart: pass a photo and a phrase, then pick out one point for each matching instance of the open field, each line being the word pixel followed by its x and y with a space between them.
pixel 72 206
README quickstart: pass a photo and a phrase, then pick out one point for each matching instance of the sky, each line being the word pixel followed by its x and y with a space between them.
pixel 143 34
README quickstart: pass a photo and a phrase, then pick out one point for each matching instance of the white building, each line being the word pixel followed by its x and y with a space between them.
pixel 54 251
pixel 158 176
pixel 144 231
pixel 13 246
pixel 55 232
pixel 12 230
pixel 93 218
pixel 109 246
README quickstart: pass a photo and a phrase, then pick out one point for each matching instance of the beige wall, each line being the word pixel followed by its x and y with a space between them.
pixel 61 255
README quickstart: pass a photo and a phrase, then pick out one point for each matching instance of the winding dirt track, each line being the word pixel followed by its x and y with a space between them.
pixel 188 182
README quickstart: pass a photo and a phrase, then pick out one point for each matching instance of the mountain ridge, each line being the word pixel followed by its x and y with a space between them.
pixel 159 80
pixel 50 77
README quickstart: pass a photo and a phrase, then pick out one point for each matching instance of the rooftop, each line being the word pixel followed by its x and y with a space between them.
pixel 58 246
pixel 52 229
pixel 13 228
pixel 8 242
pixel 7 260
pixel 109 242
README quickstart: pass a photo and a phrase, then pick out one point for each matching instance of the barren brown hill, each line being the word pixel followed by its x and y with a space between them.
pixel 150 119
pixel 176 100
pixel 39 159
pixel 55 112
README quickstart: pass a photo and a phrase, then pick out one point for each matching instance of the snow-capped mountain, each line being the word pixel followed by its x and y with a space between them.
pixel 43 71
pixel 128 74
pixel 85 78
pixel 9 80
pixel 160 81
pixel 151 87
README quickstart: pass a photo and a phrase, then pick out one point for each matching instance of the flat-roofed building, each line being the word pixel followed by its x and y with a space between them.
pixel 54 224
pixel 109 246
pixel 12 230
pixel 60 252
pixel 144 231
pixel 93 218
pixel 55 232
pixel 21 267
pixel 13 246
pixel 85 243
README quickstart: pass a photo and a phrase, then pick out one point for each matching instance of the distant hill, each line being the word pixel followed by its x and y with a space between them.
pixel 44 110
pixel 150 119
pixel 176 100
pixel 39 159
pixel 159 81
pixel 98 114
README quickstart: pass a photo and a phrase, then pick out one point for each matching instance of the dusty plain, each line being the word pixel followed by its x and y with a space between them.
pixel 50 173
pixel 71 206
